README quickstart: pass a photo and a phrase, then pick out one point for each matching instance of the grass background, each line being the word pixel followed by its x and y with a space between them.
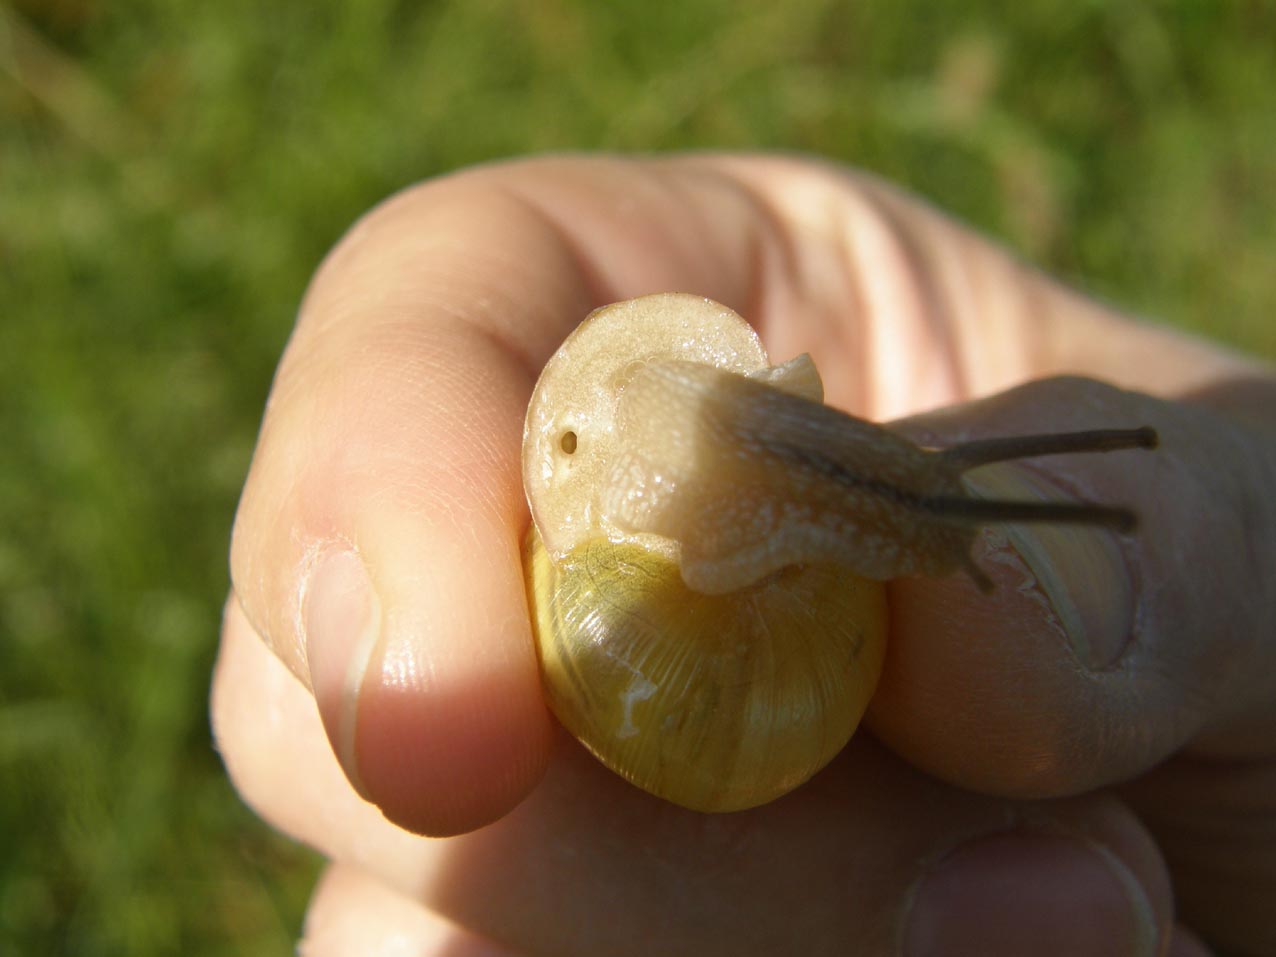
pixel 171 172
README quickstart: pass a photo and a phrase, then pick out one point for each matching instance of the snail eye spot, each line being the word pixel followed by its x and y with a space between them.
pixel 568 442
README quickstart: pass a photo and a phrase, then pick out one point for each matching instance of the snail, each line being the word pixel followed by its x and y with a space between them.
pixel 709 542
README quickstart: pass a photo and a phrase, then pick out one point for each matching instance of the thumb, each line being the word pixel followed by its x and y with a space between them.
pixel 376 546
pixel 1098 654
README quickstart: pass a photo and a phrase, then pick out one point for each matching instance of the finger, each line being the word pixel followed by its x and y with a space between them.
pixel 869 858
pixel 354 915
pixel 377 542
pixel 1213 817
pixel 1098 655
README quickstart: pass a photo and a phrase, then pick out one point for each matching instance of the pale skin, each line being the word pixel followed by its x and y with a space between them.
pixel 1083 761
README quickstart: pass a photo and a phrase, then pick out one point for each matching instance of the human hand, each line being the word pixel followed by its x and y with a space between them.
pixel 1047 766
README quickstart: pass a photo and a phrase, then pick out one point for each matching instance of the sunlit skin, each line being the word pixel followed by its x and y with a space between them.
pixel 1052 768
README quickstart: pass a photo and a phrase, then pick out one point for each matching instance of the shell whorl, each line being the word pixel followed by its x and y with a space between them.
pixel 570 437
pixel 713 702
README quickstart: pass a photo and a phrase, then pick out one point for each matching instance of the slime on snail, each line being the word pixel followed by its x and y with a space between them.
pixel 709 541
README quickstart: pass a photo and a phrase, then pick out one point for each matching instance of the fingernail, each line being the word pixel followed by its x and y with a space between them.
pixel 1015 894
pixel 342 621
pixel 1079 570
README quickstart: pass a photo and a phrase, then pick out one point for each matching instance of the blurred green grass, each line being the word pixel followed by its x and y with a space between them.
pixel 170 174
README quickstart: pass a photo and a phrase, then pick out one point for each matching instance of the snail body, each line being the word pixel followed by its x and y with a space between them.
pixel 709 541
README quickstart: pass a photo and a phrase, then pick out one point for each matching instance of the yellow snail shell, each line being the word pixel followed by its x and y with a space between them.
pixel 708 543
pixel 716 702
